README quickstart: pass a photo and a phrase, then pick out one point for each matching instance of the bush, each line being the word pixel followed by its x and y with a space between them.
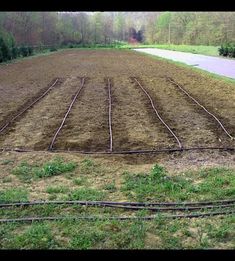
pixel 227 49
pixel 53 49
pixel 24 51
pixel 8 49
pixel 1 56
pixel 5 51
pixel 15 52
pixel 30 50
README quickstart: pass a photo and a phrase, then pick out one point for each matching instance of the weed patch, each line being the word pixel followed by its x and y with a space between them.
pixel 28 172
pixel 7 162
pixel 86 194
pixel 110 187
pixel 217 183
pixel 57 189
pixel 13 195
pixel 37 236
pixel 88 166
pixel 156 185
pixel 79 181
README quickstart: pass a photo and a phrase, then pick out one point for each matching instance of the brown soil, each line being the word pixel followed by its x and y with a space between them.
pixel 135 125
pixel 86 128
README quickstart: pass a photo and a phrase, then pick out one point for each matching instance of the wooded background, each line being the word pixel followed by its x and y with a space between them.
pixel 56 28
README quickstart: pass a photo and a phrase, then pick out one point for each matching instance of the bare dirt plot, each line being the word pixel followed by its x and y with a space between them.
pixel 86 127
pixel 192 125
pixel 35 129
pixel 135 126
pixel 21 81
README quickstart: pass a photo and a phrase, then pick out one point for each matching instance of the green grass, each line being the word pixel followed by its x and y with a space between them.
pixel 57 189
pixel 110 187
pixel 216 183
pixel 86 194
pixel 13 195
pixel 7 162
pixel 89 167
pixel 37 236
pixel 7 180
pixel 165 234
pixel 27 172
pixel 197 49
pixel 80 181
pixel 154 185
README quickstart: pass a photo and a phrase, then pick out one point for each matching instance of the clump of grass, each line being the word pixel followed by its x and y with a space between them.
pixel 154 185
pixel 7 180
pixel 37 236
pixel 23 171
pixel 7 162
pixel 57 189
pixel 217 183
pixel 54 167
pixel 88 166
pixel 13 195
pixel 110 187
pixel 86 194
pixel 85 239
pixel 79 181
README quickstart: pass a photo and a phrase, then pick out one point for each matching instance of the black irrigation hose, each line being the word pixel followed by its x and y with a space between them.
pixel 192 98
pixel 28 107
pixel 67 113
pixel 186 208
pixel 121 218
pixel 110 116
pixel 120 152
pixel 155 110
pixel 115 203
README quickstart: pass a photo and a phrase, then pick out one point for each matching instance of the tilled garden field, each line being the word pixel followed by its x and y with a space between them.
pixel 111 102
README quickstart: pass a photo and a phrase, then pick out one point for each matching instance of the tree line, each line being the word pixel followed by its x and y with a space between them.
pixel 87 28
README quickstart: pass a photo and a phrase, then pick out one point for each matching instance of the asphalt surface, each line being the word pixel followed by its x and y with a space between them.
pixel 217 65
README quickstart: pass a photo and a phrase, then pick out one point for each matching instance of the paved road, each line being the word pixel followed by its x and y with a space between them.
pixel 217 65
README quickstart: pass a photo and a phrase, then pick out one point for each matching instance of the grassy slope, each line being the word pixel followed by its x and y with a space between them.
pixel 155 185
